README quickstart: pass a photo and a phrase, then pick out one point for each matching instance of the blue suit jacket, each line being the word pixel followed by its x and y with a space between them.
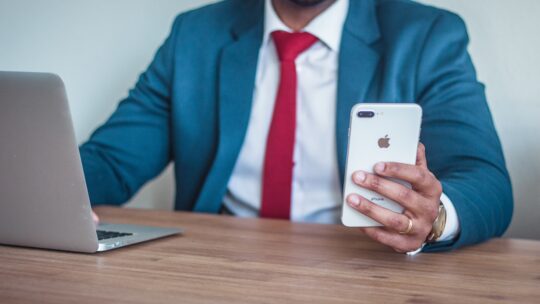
pixel 192 107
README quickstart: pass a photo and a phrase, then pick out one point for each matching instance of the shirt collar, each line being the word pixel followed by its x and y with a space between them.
pixel 327 27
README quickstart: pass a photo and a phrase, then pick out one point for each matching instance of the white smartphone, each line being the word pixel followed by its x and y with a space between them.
pixel 378 133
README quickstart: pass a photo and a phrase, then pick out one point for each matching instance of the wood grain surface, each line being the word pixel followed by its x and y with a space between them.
pixel 221 259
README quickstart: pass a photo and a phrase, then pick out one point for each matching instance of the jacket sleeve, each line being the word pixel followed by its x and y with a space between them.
pixel 133 146
pixel 462 146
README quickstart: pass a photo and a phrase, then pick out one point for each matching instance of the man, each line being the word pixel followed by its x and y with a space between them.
pixel 251 101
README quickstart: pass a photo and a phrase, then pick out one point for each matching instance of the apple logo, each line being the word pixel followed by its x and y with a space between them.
pixel 384 142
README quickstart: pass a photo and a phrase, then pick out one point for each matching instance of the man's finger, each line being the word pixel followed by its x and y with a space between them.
pixel 392 220
pixel 419 177
pixel 421 156
pixel 404 196
pixel 95 218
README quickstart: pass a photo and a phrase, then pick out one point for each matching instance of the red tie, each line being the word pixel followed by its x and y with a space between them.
pixel 278 162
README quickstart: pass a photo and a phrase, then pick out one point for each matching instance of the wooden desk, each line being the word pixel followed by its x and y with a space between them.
pixel 224 259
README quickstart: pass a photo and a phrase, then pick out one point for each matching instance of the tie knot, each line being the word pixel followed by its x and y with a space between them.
pixel 290 45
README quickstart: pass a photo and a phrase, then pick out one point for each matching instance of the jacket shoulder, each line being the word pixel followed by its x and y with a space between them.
pixel 399 15
pixel 216 16
pixel 407 27
pixel 410 8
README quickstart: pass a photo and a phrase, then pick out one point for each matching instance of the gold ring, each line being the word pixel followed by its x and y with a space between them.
pixel 409 228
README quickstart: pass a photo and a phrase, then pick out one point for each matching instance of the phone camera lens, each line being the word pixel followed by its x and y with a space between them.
pixel 366 114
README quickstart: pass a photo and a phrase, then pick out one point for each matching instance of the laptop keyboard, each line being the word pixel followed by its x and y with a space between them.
pixel 103 235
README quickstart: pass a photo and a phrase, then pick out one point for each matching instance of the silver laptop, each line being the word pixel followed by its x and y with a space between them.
pixel 43 196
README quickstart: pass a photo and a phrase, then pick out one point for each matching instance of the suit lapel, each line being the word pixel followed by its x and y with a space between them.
pixel 358 62
pixel 237 70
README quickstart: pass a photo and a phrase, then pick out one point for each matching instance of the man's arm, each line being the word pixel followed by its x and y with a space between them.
pixel 464 156
pixel 462 146
pixel 133 146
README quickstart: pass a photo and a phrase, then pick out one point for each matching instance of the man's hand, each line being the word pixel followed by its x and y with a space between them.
pixel 421 203
pixel 95 217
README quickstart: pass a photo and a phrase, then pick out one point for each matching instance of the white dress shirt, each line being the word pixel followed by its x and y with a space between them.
pixel 316 191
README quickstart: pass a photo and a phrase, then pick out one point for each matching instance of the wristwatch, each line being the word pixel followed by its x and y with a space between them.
pixel 436 230
pixel 438 225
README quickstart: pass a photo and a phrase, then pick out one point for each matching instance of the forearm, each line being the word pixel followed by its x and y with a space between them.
pixel 103 183
pixel 482 197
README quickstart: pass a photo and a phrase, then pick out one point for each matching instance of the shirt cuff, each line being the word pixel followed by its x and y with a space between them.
pixel 451 229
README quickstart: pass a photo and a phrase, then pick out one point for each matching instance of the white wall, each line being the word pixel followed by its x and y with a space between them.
pixel 99 47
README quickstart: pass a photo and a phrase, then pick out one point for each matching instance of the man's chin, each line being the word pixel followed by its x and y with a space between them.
pixel 307 3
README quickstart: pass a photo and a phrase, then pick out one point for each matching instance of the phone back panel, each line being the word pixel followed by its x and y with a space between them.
pixel 391 135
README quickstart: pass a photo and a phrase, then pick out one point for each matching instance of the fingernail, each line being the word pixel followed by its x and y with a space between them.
pixel 359 177
pixel 379 167
pixel 354 200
